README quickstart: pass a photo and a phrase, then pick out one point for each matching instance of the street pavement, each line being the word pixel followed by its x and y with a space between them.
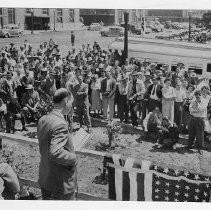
pixel 62 38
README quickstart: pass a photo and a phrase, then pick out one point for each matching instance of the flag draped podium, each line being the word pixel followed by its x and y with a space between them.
pixel 130 180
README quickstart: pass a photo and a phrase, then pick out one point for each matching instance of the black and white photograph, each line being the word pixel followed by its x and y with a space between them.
pixel 105 104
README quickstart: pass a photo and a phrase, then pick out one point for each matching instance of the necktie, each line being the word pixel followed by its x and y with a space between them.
pixel 153 92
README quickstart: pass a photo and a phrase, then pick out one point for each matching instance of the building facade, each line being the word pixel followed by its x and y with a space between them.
pixel 107 16
pixel 40 18
pixel 45 18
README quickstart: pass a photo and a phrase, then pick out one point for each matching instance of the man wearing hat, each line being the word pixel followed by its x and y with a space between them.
pixel 82 102
pixel 154 93
pixel 135 92
pixel 123 108
pixel 152 67
pixel 12 50
pixel 27 79
pixel 49 86
pixel 198 112
pixel 72 38
pixel 108 90
pixel 14 112
pixel 57 170
pixel 30 102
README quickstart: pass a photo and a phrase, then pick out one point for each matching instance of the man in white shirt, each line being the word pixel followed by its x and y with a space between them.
pixel 178 103
pixel 198 112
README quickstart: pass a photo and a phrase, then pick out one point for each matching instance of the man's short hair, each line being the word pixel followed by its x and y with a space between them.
pixel 59 95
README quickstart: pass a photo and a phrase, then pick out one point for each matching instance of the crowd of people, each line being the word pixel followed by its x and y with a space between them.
pixel 103 84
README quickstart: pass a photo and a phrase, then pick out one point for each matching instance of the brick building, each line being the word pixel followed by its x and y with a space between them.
pixel 41 18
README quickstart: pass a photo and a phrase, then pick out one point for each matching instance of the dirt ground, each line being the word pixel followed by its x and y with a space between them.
pixel 129 142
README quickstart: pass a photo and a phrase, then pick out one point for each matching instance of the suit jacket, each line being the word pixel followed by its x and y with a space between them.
pixel 158 91
pixel 140 89
pixel 81 94
pixel 8 180
pixel 112 87
pixel 58 161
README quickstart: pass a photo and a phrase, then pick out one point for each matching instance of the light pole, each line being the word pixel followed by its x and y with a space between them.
pixel 54 19
pixel 126 15
pixel 189 32
pixel 32 21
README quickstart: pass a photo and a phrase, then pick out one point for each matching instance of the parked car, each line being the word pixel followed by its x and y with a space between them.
pixel 112 31
pixel 95 27
pixel 155 26
pixel 148 30
pixel 10 30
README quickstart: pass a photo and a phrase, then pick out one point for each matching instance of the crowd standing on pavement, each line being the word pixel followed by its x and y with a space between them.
pixel 101 83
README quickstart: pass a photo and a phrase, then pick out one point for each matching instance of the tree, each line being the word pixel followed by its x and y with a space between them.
pixel 206 20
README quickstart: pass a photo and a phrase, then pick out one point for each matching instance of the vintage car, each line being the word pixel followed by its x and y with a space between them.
pixel 95 27
pixel 114 31
pixel 10 30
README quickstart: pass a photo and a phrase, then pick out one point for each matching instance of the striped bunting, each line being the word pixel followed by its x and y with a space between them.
pixel 130 180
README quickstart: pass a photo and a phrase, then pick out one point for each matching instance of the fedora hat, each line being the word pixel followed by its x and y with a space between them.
pixel 101 66
pixel 147 73
pixel 29 87
pixel 122 78
pixel 52 72
pixel 134 73
pixel 89 59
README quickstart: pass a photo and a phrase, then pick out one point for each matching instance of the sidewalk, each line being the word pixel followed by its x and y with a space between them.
pixel 28 32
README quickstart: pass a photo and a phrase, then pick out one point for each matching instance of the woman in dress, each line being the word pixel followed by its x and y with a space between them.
pixel 168 97
pixel 95 95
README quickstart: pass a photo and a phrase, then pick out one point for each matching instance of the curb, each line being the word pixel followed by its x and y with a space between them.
pixel 50 31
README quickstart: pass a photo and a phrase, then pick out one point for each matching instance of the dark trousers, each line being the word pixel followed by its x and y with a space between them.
pixel 46 195
pixel 11 120
pixel 177 112
pixel 144 108
pixel 123 108
pixel 196 130
pixel 83 115
pixel 72 41
pixel 153 103
pixel 133 112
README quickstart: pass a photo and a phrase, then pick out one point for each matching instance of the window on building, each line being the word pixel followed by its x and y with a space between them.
pixel 71 15
pixel 133 16
pixel 45 11
pixel 209 67
pixel 11 15
pixel 28 10
pixel 197 69
pixel 120 16
pixel 59 15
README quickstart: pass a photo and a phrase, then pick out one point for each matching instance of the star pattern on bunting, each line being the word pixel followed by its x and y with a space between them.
pixel 180 190
pixel 166 170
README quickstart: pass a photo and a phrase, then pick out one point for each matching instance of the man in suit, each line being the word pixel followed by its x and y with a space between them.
pixel 57 170
pixel 82 102
pixel 154 92
pixel 108 89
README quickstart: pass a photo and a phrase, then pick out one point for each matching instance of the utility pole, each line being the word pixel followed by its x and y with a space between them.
pixel 126 15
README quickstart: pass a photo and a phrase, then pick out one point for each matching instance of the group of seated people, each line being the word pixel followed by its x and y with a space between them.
pixel 160 129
